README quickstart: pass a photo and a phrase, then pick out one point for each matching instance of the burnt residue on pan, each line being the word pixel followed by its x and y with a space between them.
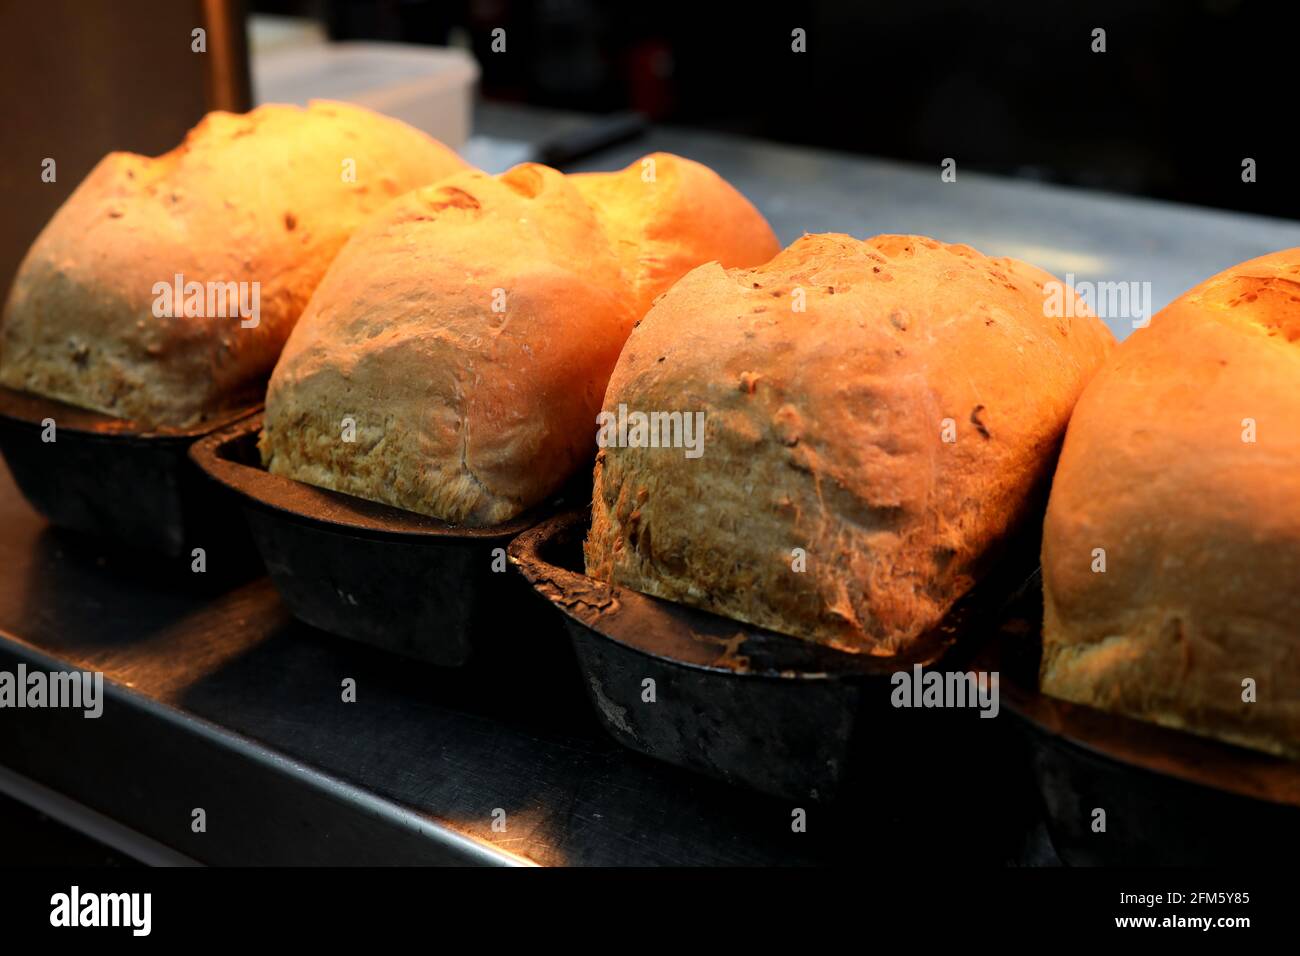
pixel 756 708
pixel 548 554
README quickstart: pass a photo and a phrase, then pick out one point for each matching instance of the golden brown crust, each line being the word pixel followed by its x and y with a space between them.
pixel 824 432
pixel 1200 529
pixel 260 197
pixel 666 215
pixel 464 413
pixel 461 412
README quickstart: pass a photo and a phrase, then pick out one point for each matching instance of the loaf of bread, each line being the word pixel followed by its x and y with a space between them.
pixel 467 334
pixel 876 416
pixel 1171 550
pixel 241 219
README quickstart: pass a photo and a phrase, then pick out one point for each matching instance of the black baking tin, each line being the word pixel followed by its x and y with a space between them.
pixel 1170 798
pixel 753 707
pixel 405 582
pixel 112 478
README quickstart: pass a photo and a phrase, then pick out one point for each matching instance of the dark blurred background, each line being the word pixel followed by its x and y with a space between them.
pixel 1184 91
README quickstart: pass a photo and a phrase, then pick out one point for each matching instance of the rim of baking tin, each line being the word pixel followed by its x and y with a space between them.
pixel 1133 744
pixel 697 639
pixel 332 510
pixel 31 410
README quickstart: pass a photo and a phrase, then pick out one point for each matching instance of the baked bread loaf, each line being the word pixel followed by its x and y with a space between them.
pixel 267 197
pixel 824 501
pixel 665 215
pixel 459 411
pixel 469 331
pixel 1181 472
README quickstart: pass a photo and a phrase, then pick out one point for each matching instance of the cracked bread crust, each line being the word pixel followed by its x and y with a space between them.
pixel 461 412
pixel 1200 527
pixel 259 197
pixel 824 432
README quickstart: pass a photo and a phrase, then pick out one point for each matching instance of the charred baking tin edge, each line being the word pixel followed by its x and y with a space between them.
pixel 789 732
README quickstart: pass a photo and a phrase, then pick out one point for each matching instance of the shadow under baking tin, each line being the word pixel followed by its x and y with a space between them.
pixel 395 579
pixel 1170 797
pixel 756 708
pixel 111 477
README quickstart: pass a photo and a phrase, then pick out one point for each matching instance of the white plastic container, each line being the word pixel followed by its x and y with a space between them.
pixel 431 88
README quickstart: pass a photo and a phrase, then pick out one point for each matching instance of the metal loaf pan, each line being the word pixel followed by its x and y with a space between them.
pixel 110 477
pixel 753 707
pixel 358 569
pixel 1170 798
